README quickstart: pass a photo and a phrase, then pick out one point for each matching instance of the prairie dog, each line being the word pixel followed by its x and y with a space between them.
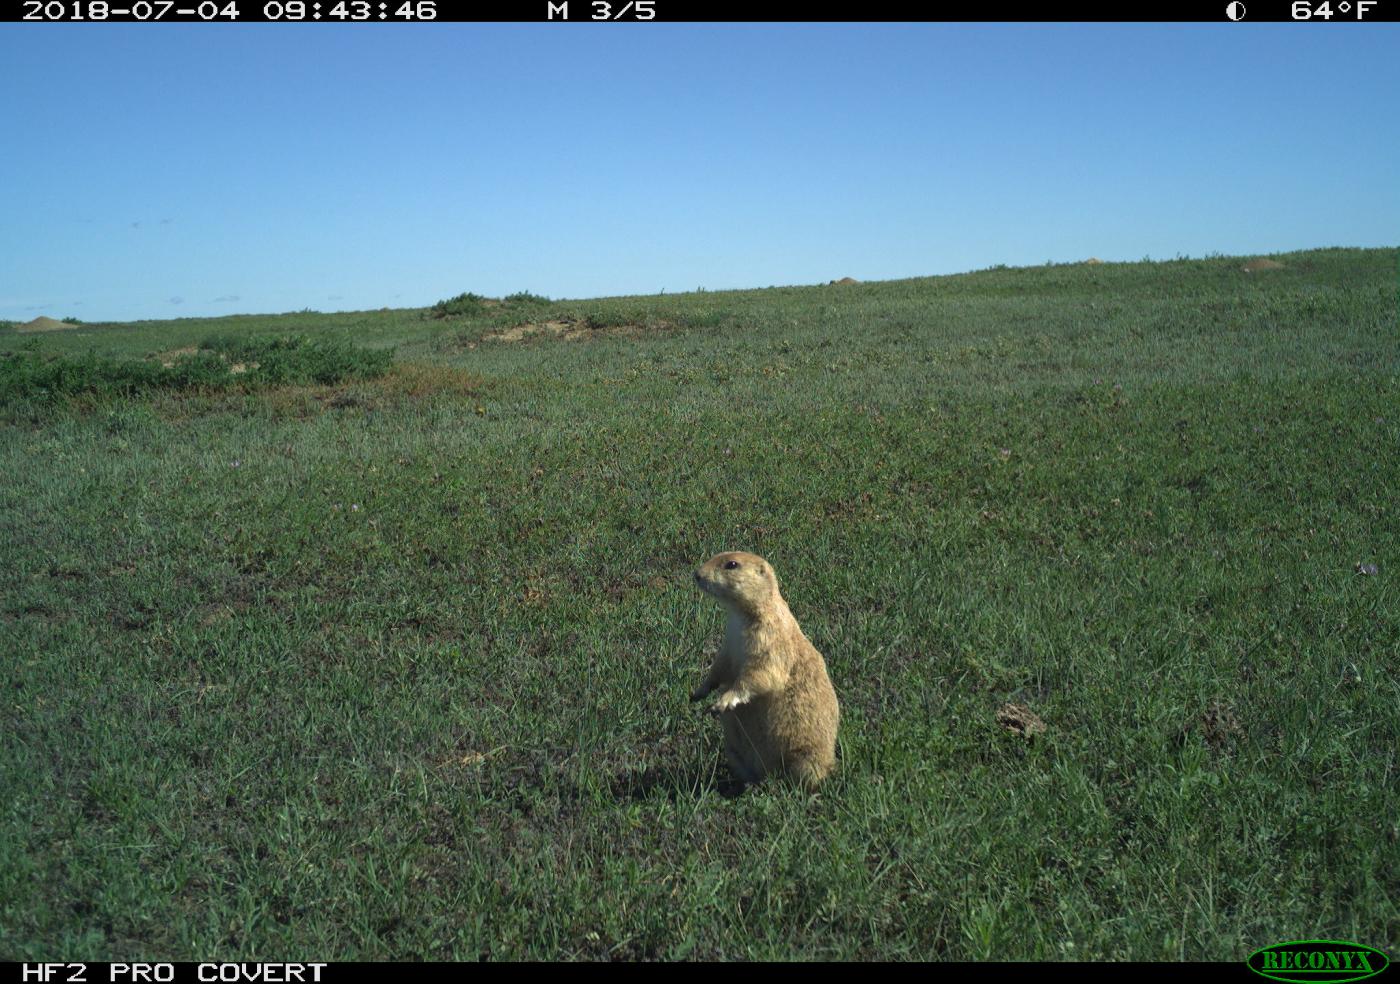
pixel 776 702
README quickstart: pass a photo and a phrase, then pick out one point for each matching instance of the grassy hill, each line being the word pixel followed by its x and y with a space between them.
pixel 396 666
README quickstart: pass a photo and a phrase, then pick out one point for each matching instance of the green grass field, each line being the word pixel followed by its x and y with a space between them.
pixel 397 667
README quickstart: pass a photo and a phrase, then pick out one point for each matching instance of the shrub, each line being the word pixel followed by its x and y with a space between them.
pixel 299 359
pixel 465 303
pixel 28 375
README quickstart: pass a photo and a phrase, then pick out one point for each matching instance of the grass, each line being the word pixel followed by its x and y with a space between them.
pixel 397 667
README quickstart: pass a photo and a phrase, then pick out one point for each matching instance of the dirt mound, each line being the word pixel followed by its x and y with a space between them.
pixel 1253 266
pixel 167 359
pixel 564 328
pixel 1092 261
pixel 570 329
pixel 843 281
pixel 44 324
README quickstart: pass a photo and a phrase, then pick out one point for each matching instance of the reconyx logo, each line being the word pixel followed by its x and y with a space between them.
pixel 1320 961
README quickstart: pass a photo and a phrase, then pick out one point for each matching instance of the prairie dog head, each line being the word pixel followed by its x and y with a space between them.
pixel 738 580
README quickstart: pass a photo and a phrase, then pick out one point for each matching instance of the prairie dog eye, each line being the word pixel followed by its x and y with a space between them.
pixel 729 565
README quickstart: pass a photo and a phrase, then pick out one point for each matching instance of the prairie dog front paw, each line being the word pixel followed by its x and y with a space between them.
pixel 728 700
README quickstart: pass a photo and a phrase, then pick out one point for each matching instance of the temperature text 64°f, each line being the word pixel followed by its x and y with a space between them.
pixel 1327 9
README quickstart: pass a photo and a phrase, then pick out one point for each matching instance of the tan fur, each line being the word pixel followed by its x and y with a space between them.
pixel 776 702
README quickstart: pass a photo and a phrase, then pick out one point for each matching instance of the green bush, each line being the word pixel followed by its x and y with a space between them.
pixel 465 303
pixel 28 375
pixel 525 297
pixel 299 359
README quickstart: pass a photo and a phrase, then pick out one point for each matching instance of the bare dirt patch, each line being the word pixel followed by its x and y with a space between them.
pixel 167 359
pixel 1254 266
pixel 1219 726
pixel 1020 720
pixel 45 324
pixel 569 329
pixel 170 357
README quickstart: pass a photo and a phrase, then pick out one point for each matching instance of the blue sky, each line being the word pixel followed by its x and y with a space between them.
pixel 160 171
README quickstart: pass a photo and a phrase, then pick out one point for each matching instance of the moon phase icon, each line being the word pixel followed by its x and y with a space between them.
pixel 1235 11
